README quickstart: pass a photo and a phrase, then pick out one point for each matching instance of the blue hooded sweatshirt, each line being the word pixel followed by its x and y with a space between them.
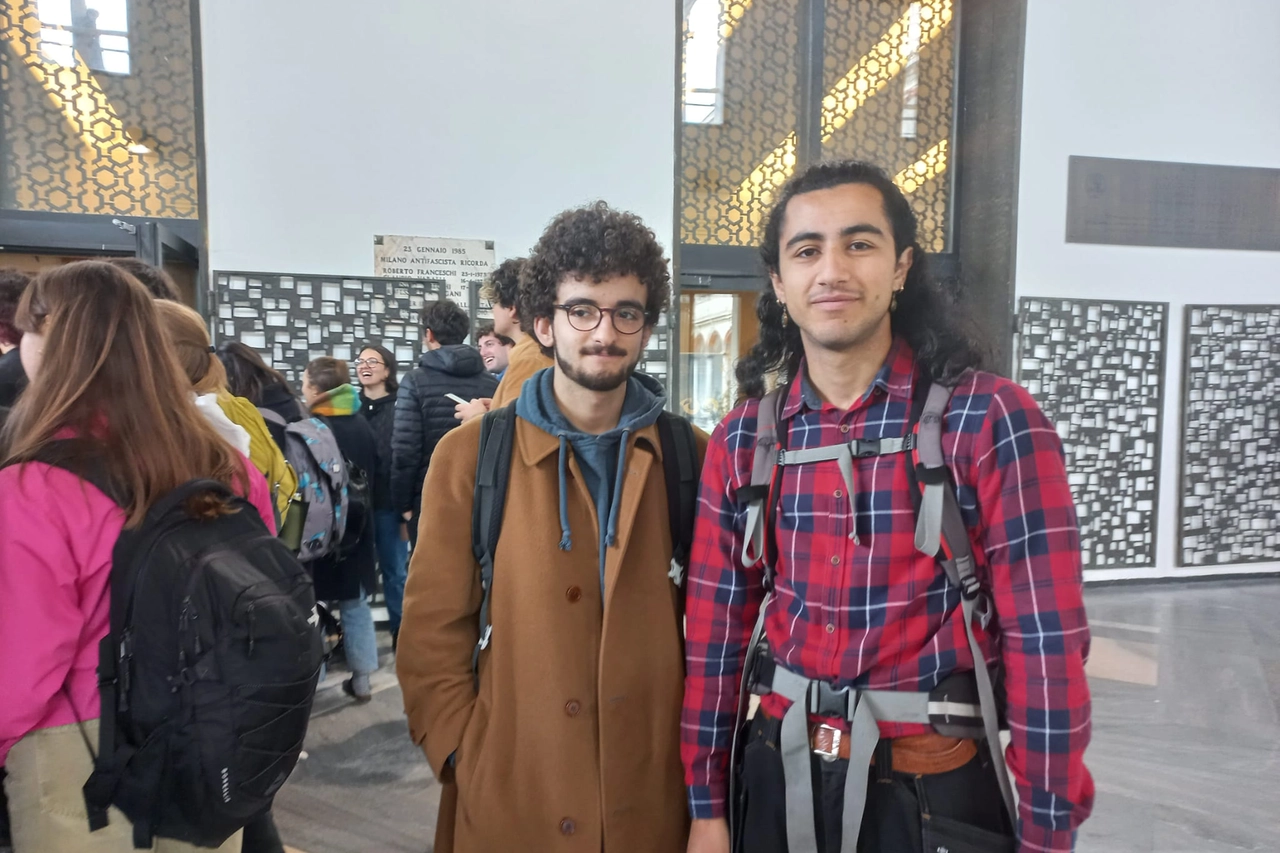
pixel 602 458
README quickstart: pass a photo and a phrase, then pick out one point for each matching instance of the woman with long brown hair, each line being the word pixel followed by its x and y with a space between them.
pixel 235 418
pixel 102 374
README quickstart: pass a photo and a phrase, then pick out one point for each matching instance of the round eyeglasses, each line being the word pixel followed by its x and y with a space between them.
pixel 586 317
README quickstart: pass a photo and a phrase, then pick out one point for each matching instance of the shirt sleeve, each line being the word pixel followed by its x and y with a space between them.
pixel 1032 546
pixel 723 601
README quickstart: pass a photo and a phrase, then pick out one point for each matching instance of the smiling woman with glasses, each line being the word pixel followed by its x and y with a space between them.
pixel 376 373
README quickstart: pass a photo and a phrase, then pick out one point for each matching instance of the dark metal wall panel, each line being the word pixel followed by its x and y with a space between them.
pixel 1097 370
pixel 291 319
pixel 1230 491
pixel 1178 205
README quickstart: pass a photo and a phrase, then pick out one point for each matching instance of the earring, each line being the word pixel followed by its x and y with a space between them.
pixel 786 318
pixel 893 302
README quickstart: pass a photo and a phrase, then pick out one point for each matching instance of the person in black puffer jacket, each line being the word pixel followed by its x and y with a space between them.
pixel 376 372
pixel 423 412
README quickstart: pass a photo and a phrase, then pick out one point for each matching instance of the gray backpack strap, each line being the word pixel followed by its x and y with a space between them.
pixel 940 520
pixel 933 470
pixel 975 605
pixel 766 456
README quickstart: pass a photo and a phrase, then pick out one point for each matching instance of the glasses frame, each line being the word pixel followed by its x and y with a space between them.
pixel 613 316
pixel 372 362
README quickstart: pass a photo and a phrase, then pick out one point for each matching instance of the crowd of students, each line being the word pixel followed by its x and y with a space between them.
pixel 878 542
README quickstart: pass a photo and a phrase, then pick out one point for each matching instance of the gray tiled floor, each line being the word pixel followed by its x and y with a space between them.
pixel 1185 753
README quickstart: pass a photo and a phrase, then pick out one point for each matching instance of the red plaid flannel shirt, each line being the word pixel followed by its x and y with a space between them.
pixel 878 614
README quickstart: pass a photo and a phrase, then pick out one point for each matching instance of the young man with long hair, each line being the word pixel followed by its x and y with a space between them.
pixel 864 623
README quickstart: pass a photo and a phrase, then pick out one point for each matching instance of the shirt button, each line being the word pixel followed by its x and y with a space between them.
pixel 572 707
pixel 835 561
pixel 844 427
pixel 567 827
pixel 831 629
pixel 839 493
pixel 574 594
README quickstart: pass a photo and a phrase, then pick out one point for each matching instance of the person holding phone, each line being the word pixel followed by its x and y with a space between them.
pixel 423 411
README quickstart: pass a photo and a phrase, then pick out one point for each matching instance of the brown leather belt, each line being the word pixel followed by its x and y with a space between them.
pixel 915 755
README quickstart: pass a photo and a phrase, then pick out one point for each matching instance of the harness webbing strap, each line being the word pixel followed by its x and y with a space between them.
pixel 929 449
pixel 976 606
pixel 864 710
pixel 761 472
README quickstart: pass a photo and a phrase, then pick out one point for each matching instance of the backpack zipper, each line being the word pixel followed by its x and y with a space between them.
pixel 252 619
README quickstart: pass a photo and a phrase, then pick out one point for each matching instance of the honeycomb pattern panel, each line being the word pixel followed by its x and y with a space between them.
pixel 291 319
pixel 1230 488
pixel 84 141
pixel 729 171
pixel 1096 368
pixel 889 69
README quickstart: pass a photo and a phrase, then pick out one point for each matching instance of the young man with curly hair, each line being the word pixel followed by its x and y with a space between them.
pixel 567 736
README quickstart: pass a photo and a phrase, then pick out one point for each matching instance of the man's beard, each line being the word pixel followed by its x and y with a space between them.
pixel 598 382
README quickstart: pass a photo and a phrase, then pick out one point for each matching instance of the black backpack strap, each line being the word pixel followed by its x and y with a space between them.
pixel 493 470
pixel 680 468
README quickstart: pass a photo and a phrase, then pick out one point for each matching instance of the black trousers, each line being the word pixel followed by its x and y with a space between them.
pixel 959 811
pixel 260 836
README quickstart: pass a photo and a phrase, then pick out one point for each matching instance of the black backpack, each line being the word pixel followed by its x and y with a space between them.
pixel 493 470
pixel 359 510
pixel 207 673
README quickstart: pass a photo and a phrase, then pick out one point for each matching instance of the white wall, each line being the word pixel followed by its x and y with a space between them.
pixel 328 122
pixel 1175 80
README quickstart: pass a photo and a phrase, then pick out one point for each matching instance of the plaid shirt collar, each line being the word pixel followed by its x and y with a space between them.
pixel 895 379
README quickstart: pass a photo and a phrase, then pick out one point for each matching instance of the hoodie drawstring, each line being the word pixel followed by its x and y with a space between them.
pixel 612 535
pixel 565 541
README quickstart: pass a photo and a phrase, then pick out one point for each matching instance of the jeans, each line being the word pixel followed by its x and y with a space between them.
pixel 358 638
pixel 393 560
pixel 959 811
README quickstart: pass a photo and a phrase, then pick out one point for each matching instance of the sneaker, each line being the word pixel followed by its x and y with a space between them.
pixel 349 689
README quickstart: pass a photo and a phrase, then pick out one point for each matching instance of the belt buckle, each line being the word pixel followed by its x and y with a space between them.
pixel 833 753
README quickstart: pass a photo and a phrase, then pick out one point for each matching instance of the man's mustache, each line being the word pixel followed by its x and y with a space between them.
pixel 604 350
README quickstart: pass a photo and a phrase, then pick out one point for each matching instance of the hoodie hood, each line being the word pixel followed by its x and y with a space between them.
pixel 343 400
pixel 455 360
pixel 602 458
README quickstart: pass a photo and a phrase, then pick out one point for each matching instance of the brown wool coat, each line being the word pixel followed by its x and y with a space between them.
pixel 573 742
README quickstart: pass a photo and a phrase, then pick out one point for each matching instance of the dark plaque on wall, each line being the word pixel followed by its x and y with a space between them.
pixel 1230 509
pixel 1096 369
pixel 291 319
pixel 1180 205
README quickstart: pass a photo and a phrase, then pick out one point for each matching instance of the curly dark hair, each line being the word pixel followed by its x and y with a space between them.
pixel 503 284
pixel 157 282
pixel 595 242
pixel 938 329
pixel 13 283
pixel 444 319
pixel 487 330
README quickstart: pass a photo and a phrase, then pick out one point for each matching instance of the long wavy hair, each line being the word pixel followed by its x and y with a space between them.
pixel 109 377
pixel 937 328
pixel 248 375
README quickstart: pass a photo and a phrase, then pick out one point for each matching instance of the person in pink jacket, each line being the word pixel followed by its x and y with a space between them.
pixel 101 373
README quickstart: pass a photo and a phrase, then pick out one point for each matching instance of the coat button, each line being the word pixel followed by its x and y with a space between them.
pixel 567 827
pixel 572 707
pixel 573 593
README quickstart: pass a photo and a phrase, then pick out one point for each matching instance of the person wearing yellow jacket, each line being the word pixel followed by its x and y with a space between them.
pixel 190 339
